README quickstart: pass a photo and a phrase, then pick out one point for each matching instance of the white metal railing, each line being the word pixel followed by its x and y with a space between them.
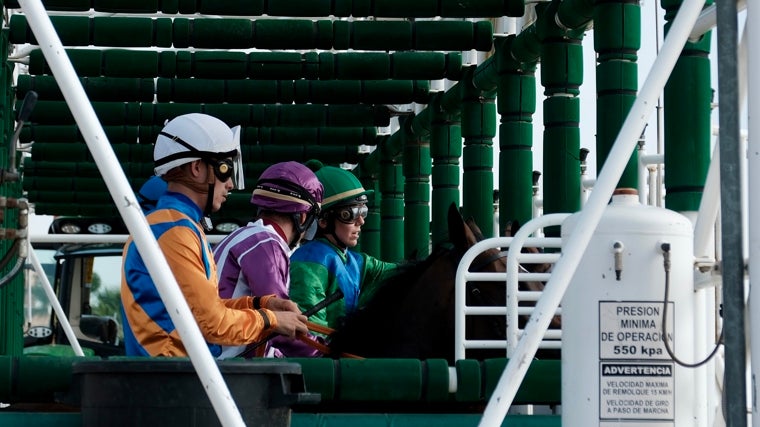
pixel 511 308
pixel 97 238
pixel 514 258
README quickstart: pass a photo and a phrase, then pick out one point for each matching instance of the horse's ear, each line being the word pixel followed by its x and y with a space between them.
pixel 460 234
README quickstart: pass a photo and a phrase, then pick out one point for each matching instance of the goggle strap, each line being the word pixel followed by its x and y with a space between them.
pixel 193 152
pixel 288 188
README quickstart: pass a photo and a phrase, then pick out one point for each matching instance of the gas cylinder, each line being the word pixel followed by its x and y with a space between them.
pixel 616 368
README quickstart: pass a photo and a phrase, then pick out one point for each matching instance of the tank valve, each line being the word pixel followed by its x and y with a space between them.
pixel 617 248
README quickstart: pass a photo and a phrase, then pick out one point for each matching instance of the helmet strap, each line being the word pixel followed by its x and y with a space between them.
pixel 206 222
pixel 298 230
pixel 330 230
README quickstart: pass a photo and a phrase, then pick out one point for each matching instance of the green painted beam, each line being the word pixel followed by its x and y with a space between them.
pixel 258 65
pixel 371 240
pixel 305 8
pixel 416 167
pixel 688 98
pixel 36 378
pixel 250 135
pixel 617 39
pixel 304 419
pixel 262 33
pixel 516 105
pixel 445 150
pixel 391 207
pixel 478 130
pixel 243 91
pixel 265 115
pixel 76 153
pixel 12 294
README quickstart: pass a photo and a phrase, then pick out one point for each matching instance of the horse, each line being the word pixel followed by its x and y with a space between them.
pixel 412 316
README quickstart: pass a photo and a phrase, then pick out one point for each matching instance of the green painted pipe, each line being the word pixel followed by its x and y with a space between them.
pixel 561 77
pixel 395 190
pixel 295 115
pixel 97 88
pixel 258 65
pixel 143 153
pixel 262 33
pixel 391 208
pixel 416 166
pixel 235 91
pixel 393 146
pixel 305 8
pixel 688 98
pixel 12 294
pixel 34 378
pixel 478 131
pixel 445 150
pixel 309 419
pixel 371 237
pixel 617 38
pixel 303 419
pixel 252 135
pixel 575 14
pixel 516 104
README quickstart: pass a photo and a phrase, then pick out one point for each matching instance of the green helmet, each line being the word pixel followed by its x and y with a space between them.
pixel 341 188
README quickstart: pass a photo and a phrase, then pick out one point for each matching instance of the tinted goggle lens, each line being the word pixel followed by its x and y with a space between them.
pixel 349 214
pixel 223 169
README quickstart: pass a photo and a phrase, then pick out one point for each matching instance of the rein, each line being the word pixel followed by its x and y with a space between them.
pixel 251 349
pixel 318 345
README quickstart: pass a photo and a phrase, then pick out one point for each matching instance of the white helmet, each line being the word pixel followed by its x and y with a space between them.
pixel 196 136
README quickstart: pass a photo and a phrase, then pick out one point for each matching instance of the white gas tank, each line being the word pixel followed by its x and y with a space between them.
pixel 616 370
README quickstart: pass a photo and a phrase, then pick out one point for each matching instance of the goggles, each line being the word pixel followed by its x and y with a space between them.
pixel 349 214
pixel 223 169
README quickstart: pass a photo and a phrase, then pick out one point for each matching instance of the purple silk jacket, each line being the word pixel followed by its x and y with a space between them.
pixel 255 260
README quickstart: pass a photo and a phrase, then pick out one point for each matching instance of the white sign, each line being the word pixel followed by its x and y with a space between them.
pixel 632 330
pixel 642 391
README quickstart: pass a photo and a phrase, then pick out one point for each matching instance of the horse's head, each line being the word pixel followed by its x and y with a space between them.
pixel 413 314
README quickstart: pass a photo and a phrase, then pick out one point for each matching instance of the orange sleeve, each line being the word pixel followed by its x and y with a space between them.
pixel 219 323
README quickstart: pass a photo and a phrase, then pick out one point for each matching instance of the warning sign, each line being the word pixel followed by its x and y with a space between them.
pixel 640 391
pixel 633 330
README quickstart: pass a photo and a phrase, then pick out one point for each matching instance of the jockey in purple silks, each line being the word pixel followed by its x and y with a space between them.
pixel 255 259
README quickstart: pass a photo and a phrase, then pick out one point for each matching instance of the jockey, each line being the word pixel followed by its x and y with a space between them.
pixel 255 259
pixel 326 264
pixel 198 156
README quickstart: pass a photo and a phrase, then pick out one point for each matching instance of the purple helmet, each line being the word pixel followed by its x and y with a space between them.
pixel 288 187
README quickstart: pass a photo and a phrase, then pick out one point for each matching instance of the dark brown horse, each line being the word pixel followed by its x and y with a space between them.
pixel 412 316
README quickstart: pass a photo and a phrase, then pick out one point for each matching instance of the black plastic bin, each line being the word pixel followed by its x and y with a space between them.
pixel 168 392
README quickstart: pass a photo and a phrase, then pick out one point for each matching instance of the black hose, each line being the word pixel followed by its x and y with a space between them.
pixel 14 271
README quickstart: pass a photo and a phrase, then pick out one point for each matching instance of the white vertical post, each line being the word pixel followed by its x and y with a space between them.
pixel 753 175
pixel 130 211
pixel 591 213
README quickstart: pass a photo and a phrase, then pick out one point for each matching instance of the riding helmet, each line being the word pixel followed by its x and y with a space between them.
pixel 195 136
